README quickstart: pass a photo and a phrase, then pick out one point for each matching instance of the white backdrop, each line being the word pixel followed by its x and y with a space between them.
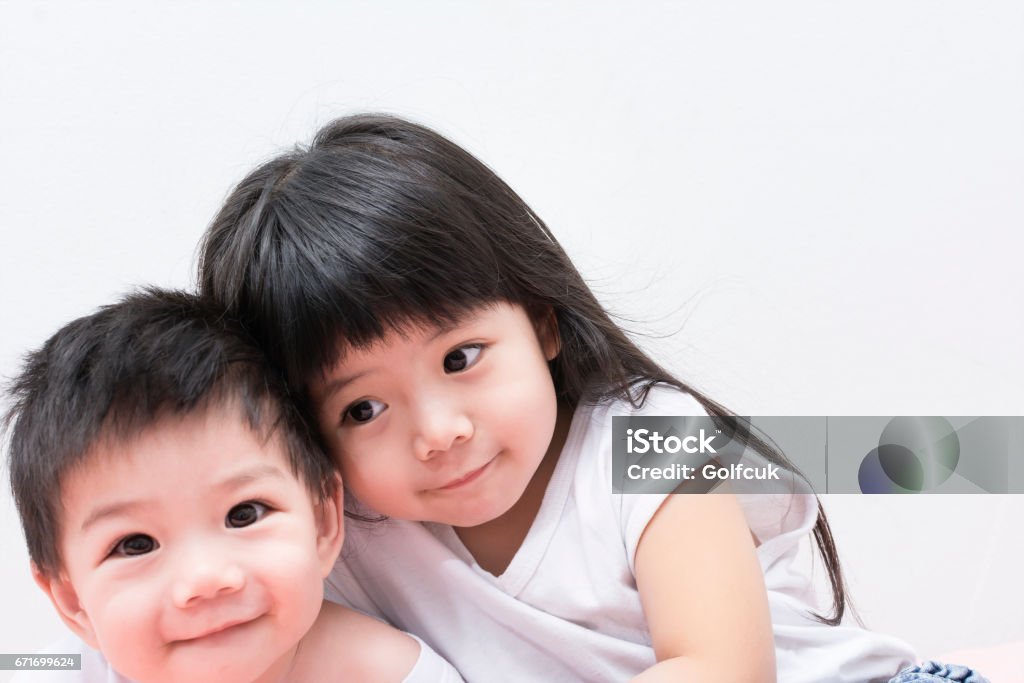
pixel 810 208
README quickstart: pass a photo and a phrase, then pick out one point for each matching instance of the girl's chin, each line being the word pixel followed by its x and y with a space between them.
pixel 474 516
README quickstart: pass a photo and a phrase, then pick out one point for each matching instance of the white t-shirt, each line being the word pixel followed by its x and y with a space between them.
pixel 567 607
pixel 429 667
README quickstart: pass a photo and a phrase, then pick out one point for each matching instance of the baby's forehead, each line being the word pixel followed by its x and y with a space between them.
pixel 198 456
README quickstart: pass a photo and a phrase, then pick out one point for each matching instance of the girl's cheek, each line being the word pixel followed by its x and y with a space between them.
pixel 350 472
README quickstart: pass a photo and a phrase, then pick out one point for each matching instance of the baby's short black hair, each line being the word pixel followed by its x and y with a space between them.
pixel 155 354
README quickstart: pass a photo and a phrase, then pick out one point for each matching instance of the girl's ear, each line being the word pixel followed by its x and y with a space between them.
pixel 65 599
pixel 330 532
pixel 546 324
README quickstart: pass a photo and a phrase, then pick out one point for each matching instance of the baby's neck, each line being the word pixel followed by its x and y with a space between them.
pixel 282 669
pixel 494 543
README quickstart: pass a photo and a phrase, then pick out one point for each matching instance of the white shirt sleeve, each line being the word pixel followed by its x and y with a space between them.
pixel 430 667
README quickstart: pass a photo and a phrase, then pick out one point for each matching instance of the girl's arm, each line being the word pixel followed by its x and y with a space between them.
pixel 703 594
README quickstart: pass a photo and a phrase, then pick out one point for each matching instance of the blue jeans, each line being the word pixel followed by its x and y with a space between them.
pixel 936 672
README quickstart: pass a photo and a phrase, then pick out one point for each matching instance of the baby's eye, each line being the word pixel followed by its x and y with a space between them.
pixel 139 544
pixel 245 514
pixel 462 357
pixel 364 410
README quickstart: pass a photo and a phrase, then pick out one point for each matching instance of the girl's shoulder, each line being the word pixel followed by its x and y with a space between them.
pixel 591 428
pixel 587 471
pixel 777 520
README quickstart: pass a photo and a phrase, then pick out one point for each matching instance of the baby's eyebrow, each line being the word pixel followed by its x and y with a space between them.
pixel 249 475
pixel 234 481
pixel 114 509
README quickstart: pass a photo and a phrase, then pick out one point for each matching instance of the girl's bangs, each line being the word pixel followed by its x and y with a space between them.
pixel 374 278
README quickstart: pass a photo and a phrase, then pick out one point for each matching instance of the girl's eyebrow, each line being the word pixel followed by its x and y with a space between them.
pixel 463 319
pixel 339 383
pixel 445 328
pixel 440 329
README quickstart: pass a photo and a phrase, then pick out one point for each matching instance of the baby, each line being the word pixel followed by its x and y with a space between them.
pixel 180 514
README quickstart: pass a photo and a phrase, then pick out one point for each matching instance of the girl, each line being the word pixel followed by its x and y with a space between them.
pixel 465 377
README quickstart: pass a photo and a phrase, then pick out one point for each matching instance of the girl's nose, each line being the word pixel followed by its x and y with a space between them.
pixel 440 428
pixel 204 576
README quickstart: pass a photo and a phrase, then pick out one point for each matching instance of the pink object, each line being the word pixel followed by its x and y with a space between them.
pixel 998 663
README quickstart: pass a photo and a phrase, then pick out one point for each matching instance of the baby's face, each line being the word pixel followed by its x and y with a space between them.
pixel 444 425
pixel 193 553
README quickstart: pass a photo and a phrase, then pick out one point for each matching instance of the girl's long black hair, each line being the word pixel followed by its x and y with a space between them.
pixel 381 223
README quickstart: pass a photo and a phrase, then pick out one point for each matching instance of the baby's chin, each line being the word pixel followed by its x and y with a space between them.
pixel 221 664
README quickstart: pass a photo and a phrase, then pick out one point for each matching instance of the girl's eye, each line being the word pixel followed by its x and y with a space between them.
pixel 462 358
pixel 365 410
pixel 139 544
pixel 245 514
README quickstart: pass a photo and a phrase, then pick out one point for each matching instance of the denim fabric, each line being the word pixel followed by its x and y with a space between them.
pixel 936 672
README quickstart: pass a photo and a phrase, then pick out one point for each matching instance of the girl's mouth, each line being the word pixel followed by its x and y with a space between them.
pixel 467 478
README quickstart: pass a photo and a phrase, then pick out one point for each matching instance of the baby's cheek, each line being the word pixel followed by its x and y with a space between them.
pixel 292 568
pixel 292 576
pixel 127 626
pixel 290 559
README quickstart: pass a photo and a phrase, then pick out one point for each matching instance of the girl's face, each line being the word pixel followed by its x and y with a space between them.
pixel 444 425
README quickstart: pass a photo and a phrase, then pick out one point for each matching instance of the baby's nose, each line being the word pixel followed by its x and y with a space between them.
pixel 205 578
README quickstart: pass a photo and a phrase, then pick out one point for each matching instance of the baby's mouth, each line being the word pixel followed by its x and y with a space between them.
pixel 222 628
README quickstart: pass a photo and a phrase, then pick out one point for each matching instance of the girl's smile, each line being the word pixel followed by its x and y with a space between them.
pixel 467 479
